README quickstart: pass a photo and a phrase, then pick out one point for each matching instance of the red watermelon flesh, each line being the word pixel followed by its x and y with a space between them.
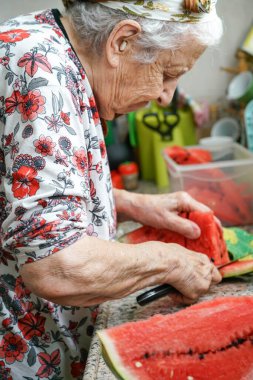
pixel 147 233
pixel 188 156
pixel 212 340
pixel 210 242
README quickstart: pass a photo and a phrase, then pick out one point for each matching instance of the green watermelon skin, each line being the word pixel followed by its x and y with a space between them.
pixel 210 242
pixel 238 268
pixel 212 340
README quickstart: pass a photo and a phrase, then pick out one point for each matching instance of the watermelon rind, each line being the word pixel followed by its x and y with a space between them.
pixel 238 268
pixel 112 358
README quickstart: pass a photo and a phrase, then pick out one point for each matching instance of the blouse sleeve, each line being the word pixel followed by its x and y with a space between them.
pixel 46 159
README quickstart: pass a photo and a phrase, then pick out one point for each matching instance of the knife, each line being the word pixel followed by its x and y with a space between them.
pixel 165 289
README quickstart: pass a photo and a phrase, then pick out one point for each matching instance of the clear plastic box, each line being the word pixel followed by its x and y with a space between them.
pixel 225 184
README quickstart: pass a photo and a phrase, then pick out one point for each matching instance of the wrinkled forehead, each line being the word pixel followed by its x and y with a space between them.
pixel 182 59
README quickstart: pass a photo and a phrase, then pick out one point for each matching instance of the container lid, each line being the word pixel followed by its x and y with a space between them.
pixel 217 142
pixel 128 168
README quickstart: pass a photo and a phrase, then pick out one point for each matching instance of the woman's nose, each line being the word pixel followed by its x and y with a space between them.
pixel 166 95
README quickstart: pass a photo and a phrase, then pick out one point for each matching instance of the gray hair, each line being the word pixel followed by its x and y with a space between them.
pixel 94 23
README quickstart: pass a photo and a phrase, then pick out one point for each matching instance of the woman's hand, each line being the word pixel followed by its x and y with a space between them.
pixel 160 211
pixel 192 273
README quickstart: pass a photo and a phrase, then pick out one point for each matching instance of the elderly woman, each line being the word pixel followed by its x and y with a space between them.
pixel 61 76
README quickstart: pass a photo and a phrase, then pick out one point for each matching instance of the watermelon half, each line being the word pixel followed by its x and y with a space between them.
pixel 210 242
pixel 212 340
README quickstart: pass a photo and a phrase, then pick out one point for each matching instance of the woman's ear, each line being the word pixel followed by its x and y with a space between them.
pixel 121 41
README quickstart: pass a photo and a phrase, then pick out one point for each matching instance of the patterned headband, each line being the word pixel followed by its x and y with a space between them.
pixel 167 10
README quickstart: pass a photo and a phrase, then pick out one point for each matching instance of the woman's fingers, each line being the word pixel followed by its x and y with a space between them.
pixel 186 203
pixel 216 276
pixel 183 226
pixel 194 274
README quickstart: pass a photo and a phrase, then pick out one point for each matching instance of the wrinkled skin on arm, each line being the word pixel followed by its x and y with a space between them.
pixel 100 271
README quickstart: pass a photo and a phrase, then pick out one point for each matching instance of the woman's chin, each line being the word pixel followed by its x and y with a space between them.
pixel 113 114
pixel 133 107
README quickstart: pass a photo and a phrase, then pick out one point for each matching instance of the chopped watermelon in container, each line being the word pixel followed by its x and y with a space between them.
pixel 225 185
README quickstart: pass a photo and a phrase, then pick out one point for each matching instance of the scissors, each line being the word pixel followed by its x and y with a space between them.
pixel 166 124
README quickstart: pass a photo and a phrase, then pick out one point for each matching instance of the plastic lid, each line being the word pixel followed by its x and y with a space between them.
pixel 128 168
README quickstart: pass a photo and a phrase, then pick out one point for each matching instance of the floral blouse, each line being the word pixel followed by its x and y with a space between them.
pixel 55 187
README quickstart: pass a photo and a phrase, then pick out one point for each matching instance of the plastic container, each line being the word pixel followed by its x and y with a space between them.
pixel 129 172
pixel 225 185
pixel 221 147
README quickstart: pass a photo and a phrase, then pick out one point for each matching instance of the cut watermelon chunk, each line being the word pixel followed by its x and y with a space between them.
pixel 188 156
pixel 212 340
pixel 146 233
pixel 210 242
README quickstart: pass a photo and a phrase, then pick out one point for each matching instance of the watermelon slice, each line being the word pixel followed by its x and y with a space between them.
pixel 212 340
pixel 210 242
pixel 188 156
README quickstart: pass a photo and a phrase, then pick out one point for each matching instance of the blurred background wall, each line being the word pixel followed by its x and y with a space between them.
pixel 206 80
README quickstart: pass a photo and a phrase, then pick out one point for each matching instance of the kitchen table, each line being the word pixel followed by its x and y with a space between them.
pixel 116 312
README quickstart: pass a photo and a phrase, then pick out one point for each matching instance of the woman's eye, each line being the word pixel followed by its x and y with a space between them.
pixel 169 77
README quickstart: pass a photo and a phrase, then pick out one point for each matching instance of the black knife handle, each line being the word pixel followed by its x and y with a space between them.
pixel 154 294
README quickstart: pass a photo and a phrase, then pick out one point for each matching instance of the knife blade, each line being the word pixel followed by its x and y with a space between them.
pixel 165 289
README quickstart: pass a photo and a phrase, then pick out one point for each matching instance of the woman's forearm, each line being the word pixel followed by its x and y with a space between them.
pixel 92 271
pixel 127 204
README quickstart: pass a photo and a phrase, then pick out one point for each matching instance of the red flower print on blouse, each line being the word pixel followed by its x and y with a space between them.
pixel 90 230
pixel 90 158
pixel 5 372
pixel 25 182
pixel 99 167
pixel 6 322
pixel 8 139
pixel 43 230
pixel 4 61
pixel 32 325
pixel 5 256
pixel 80 160
pixel 13 102
pixel 92 189
pixel 27 306
pixel 77 369
pixel 65 117
pixel 70 215
pixel 20 288
pixel 32 61
pixel 12 348
pixel 48 363
pixel 44 146
pixel 31 105
pixel 102 148
pixel 14 35
pixel 95 114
